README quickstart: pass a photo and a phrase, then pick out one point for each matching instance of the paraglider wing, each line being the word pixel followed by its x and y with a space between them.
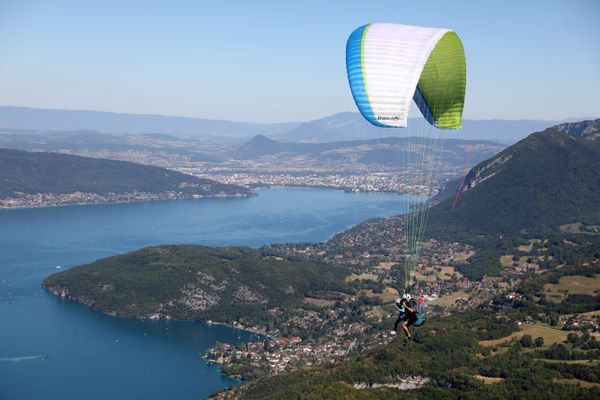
pixel 388 65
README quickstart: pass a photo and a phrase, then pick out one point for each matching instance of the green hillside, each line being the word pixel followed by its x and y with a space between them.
pixel 546 180
pixel 25 172
pixel 194 282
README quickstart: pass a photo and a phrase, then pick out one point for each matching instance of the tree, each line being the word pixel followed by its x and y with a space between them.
pixel 585 337
pixel 526 341
pixel 539 341
pixel 573 338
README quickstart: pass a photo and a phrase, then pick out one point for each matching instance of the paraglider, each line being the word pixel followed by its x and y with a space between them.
pixel 410 313
pixel 388 67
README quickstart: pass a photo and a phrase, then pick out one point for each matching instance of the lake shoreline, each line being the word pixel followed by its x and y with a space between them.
pixel 64 295
pixel 78 341
pixel 92 203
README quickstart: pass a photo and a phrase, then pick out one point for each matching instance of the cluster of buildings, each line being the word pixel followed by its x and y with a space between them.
pixel 54 199
pixel 589 323
pixel 278 355
pixel 363 182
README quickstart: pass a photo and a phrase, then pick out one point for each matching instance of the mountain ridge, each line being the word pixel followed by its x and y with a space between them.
pixel 352 126
pixel 372 151
pixel 548 179
pixel 191 282
pixel 337 127
pixel 41 119
pixel 54 173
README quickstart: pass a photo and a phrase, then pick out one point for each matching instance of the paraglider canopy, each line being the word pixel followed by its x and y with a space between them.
pixel 388 65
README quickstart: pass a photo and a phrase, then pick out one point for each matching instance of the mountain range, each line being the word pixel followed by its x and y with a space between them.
pixel 155 146
pixel 37 119
pixel 385 151
pixel 352 126
pixel 338 127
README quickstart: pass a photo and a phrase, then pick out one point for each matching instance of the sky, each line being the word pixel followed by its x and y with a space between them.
pixel 281 61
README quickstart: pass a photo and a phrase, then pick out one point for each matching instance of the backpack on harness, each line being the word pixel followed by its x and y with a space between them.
pixel 420 312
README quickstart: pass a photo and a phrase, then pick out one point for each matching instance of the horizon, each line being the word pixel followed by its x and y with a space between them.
pixel 140 58
pixel 200 118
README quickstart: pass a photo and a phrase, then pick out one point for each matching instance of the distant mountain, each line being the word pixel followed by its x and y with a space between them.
pixel 260 146
pixel 384 151
pixel 37 119
pixel 86 142
pixel 338 127
pixel 546 180
pixel 352 126
pixel 31 173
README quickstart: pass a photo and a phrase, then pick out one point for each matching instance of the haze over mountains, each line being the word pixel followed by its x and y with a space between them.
pixel 338 127
pixel 36 119
pixel 385 151
pixel 151 148
pixel 352 126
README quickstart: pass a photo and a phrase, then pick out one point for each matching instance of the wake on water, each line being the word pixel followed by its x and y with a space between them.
pixel 24 358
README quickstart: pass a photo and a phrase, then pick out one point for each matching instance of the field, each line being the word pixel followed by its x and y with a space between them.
pixel 432 274
pixel 449 272
pixel 574 381
pixel 527 248
pixel 555 297
pixel 576 284
pixel 571 228
pixel 583 362
pixel 319 302
pixel 427 274
pixel 550 335
pixel 488 380
pixel 389 294
pixel 363 277
pixel 385 265
pixel 506 261
pixel 580 228
pixel 449 299
pixel 462 256
pixel 522 261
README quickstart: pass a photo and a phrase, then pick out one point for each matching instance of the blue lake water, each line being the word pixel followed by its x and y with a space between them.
pixel 53 349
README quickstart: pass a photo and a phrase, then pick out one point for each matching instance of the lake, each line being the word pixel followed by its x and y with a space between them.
pixel 57 349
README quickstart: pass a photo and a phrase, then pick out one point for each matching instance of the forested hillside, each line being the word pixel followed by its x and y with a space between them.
pixel 194 282
pixel 549 179
pixel 30 173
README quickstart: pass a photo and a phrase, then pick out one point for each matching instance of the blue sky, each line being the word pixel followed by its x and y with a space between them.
pixel 273 61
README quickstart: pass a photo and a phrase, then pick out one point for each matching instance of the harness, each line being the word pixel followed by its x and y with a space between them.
pixel 419 311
